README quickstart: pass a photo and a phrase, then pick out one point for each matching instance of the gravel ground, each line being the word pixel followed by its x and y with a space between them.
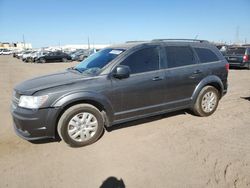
pixel 172 150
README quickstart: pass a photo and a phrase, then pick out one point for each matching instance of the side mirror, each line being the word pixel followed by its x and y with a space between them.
pixel 121 71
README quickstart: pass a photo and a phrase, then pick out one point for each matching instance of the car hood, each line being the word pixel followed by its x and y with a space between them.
pixel 33 85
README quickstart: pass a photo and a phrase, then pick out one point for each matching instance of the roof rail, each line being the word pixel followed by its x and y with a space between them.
pixel 187 40
pixel 247 45
pixel 133 41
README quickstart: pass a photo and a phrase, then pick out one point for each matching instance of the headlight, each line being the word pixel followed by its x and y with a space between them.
pixel 32 102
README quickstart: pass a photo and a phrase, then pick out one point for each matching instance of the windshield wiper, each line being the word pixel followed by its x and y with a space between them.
pixel 74 68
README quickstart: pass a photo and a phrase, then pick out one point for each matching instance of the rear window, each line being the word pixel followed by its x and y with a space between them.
pixel 179 56
pixel 236 51
pixel 206 55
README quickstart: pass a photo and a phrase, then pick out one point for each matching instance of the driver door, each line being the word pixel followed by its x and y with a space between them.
pixel 143 92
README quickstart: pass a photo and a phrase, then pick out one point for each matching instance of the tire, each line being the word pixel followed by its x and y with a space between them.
pixel 42 60
pixel 202 105
pixel 30 60
pixel 79 114
pixel 64 60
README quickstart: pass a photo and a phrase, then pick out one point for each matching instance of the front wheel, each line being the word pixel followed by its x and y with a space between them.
pixel 207 101
pixel 81 125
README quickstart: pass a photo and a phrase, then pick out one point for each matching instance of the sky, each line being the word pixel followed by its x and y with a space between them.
pixel 60 22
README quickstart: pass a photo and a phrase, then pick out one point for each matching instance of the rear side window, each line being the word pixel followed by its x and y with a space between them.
pixel 144 60
pixel 206 55
pixel 179 56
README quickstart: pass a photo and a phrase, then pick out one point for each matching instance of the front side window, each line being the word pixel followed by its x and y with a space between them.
pixel 144 60
pixel 178 56
pixel 206 55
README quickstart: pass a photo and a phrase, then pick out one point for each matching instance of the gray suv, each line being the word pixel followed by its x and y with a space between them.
pixel 118 84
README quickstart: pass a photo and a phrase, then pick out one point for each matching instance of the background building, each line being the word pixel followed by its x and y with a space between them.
pixel 15 46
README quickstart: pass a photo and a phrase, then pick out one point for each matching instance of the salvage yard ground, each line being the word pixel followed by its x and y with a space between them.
pixel 172 150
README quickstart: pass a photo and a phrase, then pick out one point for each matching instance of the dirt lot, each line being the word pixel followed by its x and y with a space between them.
pixel 174 150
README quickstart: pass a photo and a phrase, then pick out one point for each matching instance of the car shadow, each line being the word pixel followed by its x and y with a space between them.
pixel 45 141
pixel 246 98
pixel 146 120
pixel 121 125
pixel 113 182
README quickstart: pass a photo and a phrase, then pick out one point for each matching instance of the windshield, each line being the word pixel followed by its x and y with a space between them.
pixel 94 63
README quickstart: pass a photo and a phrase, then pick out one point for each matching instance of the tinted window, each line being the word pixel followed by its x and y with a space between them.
pixel 143 60
pixel 236 51
pixel 179 56
pixel 206 55
pixel 248 51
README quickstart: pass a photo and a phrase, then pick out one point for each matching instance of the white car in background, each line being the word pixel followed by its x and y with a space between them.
pixel 26 55
pixel 21 54
pixel 5 52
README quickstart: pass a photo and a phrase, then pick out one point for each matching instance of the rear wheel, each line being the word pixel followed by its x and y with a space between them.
pixel 64 59
pixel 81 125
pixel 207 101
pixel 42 60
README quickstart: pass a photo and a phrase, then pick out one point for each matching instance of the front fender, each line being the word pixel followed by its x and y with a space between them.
pixel 79 96
pixel 210 80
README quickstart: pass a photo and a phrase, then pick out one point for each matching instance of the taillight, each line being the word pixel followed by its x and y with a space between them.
pixel 245 58
pixel 227 67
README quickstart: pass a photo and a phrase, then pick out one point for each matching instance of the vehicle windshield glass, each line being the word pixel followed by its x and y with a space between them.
pixel 94 63
pixel 234 51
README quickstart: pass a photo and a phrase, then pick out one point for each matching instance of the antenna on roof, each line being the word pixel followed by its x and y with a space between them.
pixel 196 36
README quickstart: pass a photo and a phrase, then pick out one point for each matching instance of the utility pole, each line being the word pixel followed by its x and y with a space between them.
pixel 24 42
pixel 237 35
pixel 88 44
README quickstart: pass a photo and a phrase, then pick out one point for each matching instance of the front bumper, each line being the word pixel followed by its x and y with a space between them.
pixel 34 124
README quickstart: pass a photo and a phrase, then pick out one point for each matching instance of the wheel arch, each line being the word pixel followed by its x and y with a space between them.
pixel 98 101
pixel 214 81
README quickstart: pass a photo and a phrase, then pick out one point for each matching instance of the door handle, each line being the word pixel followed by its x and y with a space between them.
pixel 195 73
pixel 157 78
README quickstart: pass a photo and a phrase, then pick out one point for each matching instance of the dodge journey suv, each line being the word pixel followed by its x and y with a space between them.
pixel 118 84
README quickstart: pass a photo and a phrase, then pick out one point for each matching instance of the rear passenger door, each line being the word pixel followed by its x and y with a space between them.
pixel 182 75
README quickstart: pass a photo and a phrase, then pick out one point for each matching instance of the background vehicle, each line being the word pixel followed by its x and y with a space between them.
pixel 238 56
pixel 26 55
pixel 37 55
pixel 5 52
pixel 31 56
pixel 76 54
pixel 20 54
pixel 80 55
pixel 119 84
pixel 53 57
